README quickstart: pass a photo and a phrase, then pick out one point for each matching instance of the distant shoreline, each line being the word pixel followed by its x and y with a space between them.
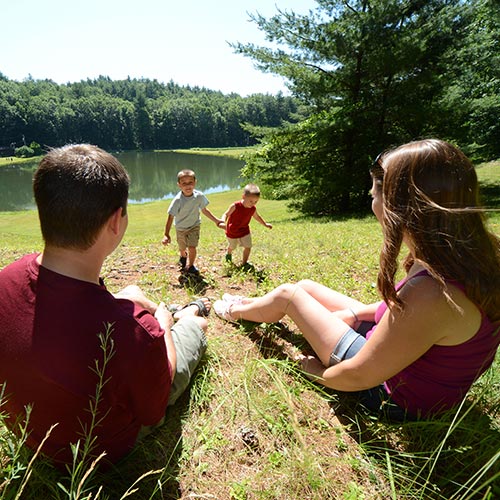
pixel 234 152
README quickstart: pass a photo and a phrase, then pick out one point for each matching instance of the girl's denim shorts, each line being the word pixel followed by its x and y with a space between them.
pixel 376 399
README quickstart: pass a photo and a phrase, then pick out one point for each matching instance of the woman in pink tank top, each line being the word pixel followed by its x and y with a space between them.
pixel 419 350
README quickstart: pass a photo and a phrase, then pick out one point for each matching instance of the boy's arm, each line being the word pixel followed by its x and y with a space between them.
pixel 228 213
pixel 225 217
pixel 166 238
pixel 211 216
pixel 258 218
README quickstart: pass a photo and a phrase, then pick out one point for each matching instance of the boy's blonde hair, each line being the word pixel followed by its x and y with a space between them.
pixel 185 173
pixel 251 189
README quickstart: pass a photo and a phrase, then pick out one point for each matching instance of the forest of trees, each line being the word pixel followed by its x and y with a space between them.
pixel 133 114
pixel 376 73
pixel 365 75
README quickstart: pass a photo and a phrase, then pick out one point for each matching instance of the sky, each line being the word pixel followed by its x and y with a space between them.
pixel 185 41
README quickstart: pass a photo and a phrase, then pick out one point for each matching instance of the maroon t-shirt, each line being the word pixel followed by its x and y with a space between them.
pixel 238 224
pixel 49 347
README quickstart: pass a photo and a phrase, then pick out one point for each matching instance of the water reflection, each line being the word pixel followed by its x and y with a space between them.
pixel 16 192
pixel 153 177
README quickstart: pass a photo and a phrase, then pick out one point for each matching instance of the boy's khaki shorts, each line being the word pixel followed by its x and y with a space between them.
pixel 245 242
pixel 188 237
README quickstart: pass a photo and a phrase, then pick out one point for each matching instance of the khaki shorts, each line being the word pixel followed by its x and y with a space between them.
pixel 190 345
pixel 188 237
pixel 245 242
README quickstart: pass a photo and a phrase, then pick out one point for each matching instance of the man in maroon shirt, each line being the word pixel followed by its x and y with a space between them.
pixel 61 330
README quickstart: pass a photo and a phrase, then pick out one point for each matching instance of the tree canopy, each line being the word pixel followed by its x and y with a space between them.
pixel 130 114
pixel 377 73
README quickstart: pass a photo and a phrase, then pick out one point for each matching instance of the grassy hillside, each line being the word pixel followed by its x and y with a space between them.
pixel 251 426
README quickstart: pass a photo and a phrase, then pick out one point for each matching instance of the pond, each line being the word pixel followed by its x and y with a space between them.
pixel 153 176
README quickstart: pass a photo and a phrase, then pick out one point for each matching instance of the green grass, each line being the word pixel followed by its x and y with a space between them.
pixel 251 426
pixel 236 152
pixel 14 160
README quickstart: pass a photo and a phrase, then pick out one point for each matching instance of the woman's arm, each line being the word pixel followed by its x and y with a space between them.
pixel 354 315
pixel 399 339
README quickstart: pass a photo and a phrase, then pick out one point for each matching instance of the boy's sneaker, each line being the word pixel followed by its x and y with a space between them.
pixel 193 270
pixel 182 262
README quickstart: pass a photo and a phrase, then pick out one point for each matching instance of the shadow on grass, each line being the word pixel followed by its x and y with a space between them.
pixel 246 270
pixel 454 456
pixel 196 283
pixel 161 451
pixel 429 459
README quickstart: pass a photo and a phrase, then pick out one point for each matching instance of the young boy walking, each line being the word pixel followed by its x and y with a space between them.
pixel 184 213
pixel 237 222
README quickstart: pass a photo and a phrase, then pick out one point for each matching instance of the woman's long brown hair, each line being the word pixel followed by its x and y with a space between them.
pixel 431 196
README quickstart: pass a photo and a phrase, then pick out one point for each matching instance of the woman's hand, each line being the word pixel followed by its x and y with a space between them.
pixel 312 366
pixel 348 316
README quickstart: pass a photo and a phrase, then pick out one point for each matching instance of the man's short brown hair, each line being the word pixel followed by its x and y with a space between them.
pixel 77 188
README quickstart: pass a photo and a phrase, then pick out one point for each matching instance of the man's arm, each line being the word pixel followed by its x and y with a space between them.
pixel 136 295
pixel 166 320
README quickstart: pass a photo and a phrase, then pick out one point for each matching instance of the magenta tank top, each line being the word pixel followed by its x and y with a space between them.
pixel 440 378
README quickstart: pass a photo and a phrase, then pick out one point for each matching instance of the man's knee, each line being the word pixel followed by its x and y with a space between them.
pixel 202 323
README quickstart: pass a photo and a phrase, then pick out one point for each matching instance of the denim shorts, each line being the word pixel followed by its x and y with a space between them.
pixel 376 399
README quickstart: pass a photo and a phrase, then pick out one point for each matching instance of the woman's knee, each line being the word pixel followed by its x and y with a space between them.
pixel 287 291
pixel 307 284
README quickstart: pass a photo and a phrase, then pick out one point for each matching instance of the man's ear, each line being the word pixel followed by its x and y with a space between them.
pixel 114 220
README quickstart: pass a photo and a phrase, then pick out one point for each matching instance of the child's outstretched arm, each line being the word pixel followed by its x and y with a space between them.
pixel 258 218
pixel 205 211
pixel 166 237
pixel 225 216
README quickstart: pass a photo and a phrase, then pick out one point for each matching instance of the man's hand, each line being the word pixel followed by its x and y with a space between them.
pixel 166 240
pixel 164 316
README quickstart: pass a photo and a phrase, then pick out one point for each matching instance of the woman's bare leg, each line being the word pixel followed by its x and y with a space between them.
pixel 319 326
pixel 332 300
